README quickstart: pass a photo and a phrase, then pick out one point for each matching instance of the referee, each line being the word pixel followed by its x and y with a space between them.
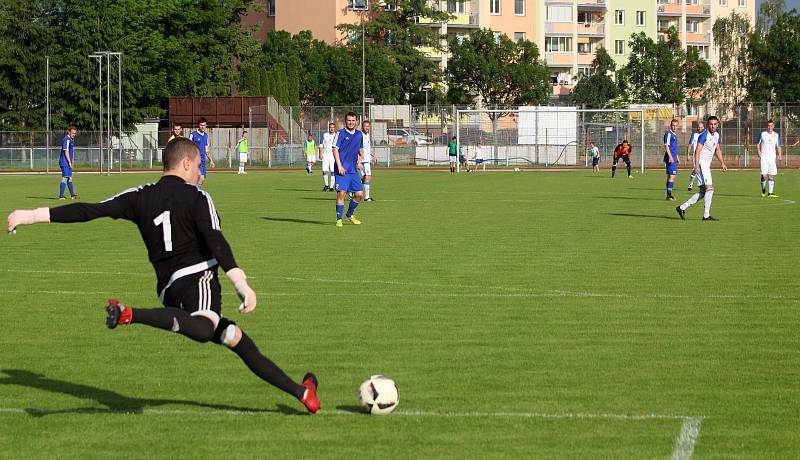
pixel 181 229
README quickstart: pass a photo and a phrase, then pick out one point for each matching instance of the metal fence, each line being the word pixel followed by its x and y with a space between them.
pixel 418 136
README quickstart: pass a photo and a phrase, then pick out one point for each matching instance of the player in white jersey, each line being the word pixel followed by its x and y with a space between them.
pixel 326 153
pixel 768 144
pixel 690 151
pixel 366 159
pixel 707 146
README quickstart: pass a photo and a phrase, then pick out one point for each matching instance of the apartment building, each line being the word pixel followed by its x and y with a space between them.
pixel 567 32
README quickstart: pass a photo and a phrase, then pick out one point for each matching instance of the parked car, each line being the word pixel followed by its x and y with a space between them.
pixel 406 136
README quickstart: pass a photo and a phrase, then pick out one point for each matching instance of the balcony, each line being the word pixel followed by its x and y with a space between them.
pixel 597 29
pixel 585 58
pixel 559 28
pixel 463 20
pixel 698 38
pixel 559 59
pixel 669 9
pixel 698 10
pixel 591 5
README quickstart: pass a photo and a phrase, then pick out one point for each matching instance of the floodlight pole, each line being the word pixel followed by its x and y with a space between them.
pixel 363 68
pixel 47 112
pixel 119 102
pixel 99 58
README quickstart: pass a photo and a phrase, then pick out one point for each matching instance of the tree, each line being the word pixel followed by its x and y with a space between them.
pixel 500 71
pixel 732 39
pixel 654 72
pixel 596 91
pixel 774 61
pixel 768 13
pixel 697 74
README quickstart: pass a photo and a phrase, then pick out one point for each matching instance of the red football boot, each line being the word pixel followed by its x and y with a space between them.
pixel 117 314
pixel 309 398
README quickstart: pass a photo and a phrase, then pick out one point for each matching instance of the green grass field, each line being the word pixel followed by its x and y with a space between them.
pixel 523 315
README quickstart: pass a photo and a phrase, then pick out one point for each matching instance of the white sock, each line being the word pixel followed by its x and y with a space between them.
pixel 366 190
pixel 707 203
pixel 771 183
pixel 324 178
pixel 692 200
pixel 691 180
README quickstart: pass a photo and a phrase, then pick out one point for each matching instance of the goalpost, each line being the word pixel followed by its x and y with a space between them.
pixel 546 136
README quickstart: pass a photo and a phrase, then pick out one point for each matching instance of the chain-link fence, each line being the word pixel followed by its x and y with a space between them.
pixel 418 136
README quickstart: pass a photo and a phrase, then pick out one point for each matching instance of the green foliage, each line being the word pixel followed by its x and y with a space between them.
pixel 596 91
pixel 697 72
pixel 655 72
pixel 501 72
pixel 768 14
pixel 731 38
pixel 774 60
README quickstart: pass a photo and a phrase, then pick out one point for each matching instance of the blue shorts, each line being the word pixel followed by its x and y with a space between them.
pixel 595 161
pixel 350 182
pixel 671 168
pixel 66 171
pixel 203 169
pixel 478 161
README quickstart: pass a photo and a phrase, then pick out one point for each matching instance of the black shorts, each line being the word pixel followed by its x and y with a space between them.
pixel 196 293
pixel 595 161
pixel 624 158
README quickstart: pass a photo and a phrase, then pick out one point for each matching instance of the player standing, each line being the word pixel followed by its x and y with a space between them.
pixel 453 153
pixel 595 157
pixel 181 229
pixel 200 139
pixel 622 151
pixel 707 146
pixel 690 152
pixel 366 159
pixel 244 148
pixel 177 131
pixel 311 157
pixel 671 156
pixel 768 144
pixel 347 150
pixel 326 155
pixel 66 161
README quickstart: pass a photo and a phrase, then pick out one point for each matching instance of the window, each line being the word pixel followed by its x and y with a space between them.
pixel 496 37
pixel 702 50
pixel 460 37
pixel 692 27
pixel 519 7
pixel 742 3
pixel 353 36
pixel 494 6
pixel 519 36
pixel 584 18
pixel 640 18
pixel 456 6
pixel 585 48
pixel 271 7
pixel 585 71
pixel 558 44
pixel 390 5
pixel 619 17
pixel 559 13
pixel 619 46
pixel 357 5
pixel 723 2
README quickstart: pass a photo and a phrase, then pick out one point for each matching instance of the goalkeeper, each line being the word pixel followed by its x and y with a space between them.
pixel 181 230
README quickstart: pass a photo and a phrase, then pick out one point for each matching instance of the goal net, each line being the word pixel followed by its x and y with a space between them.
pixel 547 136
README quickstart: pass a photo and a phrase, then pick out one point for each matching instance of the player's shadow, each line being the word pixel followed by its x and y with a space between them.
pixel 295 189
pixel 295 221
pixel 114 402
pixel 316 198
pixel 42 198
pixel 642 216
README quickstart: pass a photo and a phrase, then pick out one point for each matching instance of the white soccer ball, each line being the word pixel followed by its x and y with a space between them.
pixel 378 395
pixel 516 169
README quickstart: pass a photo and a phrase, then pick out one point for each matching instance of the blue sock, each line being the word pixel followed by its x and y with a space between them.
pixel 339 211
pixel 669 187
pixel 71 190
pixel 352 208
pixel 61 188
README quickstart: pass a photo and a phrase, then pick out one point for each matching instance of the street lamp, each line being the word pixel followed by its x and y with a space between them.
pixel 363 6
pixel 426 87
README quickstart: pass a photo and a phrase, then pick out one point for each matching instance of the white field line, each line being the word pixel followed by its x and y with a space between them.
pixel 687 438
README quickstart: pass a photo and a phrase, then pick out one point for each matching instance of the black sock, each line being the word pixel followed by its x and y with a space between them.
pixel 629 169
pixel 613 170
pixel 195 327
pixel 266 369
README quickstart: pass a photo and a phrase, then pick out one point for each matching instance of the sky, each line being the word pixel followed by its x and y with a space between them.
pixel 789 5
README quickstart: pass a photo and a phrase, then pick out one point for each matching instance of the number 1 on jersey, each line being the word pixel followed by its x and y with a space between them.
pixel 163 219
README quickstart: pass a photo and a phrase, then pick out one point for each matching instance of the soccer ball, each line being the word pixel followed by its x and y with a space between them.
pixel 378 395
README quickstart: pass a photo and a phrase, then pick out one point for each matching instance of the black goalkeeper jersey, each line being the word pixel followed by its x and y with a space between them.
pixel 178 223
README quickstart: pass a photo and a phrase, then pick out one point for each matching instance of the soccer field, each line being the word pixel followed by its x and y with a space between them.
pixel 524 315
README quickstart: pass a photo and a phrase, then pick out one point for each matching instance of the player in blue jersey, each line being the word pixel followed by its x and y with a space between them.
pixel 347 152
pixel 671 156
pixel 200 139
pixel 66 161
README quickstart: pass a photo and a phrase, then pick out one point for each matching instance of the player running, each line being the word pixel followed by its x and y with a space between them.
pixel 66 162
pixel 200 139
pixel 768 144
pixel 347 150
pixel 707 146
pixel 326 155
pixel 311 156
pixel 671 156
pixel 181 229
pixel 690 152
pixel 366 159
pixel 622 152
pixel 244 148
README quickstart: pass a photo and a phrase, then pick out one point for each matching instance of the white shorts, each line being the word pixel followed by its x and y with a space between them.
pixel 768 166
pixel 705 174
pixel 366 169
pixel 311 159
pixel 328 163
pixel 242 157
